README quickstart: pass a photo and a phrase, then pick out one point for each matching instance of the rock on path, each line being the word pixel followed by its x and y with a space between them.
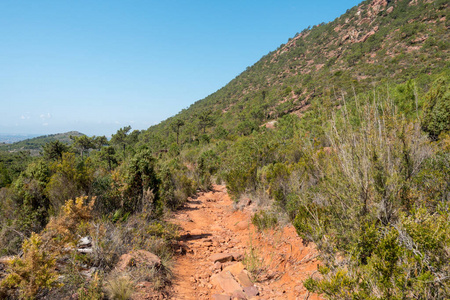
pixel 214 240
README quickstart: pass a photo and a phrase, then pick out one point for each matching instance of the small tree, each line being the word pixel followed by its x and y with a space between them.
pixel 99 141
pixel 108 154
pixel 33 271
pixel 70 179
pixel 140 177
pixel 205 120
pixel 54 150
pixel 120 138
pixel 176 127
pixel 82 143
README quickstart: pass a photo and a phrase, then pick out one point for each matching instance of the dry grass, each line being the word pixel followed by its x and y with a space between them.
pixel 119 287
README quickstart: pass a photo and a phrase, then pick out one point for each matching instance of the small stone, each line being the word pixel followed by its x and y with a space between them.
pixel 235 269
pixel 85 250
pixel 237 256
pixel 217 266
pixel 221 257
pixel 242 225
pixel 85 242
pixel 226 281
pixel 251 291
pixel 244 279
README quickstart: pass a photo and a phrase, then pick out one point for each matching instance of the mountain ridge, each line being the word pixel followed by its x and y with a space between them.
pixel 376 42
pixel 35 144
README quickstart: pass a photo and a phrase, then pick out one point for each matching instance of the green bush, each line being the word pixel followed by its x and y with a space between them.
pixel 140 177
pixel 369 202
pixel 436 117
pixel 264 219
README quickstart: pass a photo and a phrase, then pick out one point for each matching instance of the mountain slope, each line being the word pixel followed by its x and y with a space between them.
pixel 376 42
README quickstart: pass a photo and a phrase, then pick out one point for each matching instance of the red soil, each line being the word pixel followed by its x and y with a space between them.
pixel 210 225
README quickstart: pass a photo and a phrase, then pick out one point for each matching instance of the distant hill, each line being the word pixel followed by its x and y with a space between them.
pixel 34 145
pixel 14 138
pixel 377 43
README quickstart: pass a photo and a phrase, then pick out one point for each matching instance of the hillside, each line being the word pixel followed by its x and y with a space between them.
pixel 13 138
pixel 376 43
pixel 35 144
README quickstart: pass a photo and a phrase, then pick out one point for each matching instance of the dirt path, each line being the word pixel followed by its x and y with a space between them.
pixel 211 230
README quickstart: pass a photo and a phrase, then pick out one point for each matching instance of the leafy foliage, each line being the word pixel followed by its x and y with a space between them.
pixel 34 271
pixel 437 110
pixel 372 177
pixel 264 219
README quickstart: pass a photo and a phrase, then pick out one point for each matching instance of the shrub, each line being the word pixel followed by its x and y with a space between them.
pixel 34 271
pixel 264 219
pixel 369 207
pixel 240 166
pixel 254 263
pixel 436 117
pixel 71 222
pixel 276 176
pixel 140 176
pixel 119 287
pixel 175 185
pixel 70 179
pixel 93 289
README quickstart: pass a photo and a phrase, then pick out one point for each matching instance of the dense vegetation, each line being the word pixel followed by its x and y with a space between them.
pixel 113 193
pixel 344 131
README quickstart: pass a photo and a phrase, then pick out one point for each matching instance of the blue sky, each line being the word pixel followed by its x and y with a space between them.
pixel 96 66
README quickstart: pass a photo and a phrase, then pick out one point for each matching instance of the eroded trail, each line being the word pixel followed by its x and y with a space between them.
pixel 219 247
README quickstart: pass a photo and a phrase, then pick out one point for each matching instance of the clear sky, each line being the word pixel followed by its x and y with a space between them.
pixel 95 66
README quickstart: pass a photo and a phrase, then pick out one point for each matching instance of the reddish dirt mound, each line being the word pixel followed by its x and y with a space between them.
pixel 277 259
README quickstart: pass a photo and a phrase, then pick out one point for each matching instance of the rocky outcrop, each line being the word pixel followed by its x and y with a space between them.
pixel 138 258
pixel 376 6
pixel 235 282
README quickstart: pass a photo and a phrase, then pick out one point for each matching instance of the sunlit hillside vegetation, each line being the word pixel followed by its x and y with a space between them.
pixel 343 131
